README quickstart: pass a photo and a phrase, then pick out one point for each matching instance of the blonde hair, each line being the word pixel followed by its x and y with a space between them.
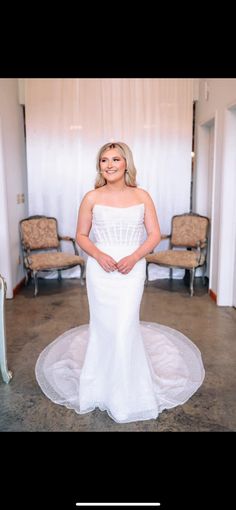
pixel 125 152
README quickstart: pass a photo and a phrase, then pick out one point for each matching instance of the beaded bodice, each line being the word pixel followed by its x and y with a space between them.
pixel 118 225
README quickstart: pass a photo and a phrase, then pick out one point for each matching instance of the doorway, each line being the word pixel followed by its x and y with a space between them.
pixel 227 244
pixel 203 187
pixel 5 259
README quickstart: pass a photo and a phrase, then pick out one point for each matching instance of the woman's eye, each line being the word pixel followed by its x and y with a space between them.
pixel 104 160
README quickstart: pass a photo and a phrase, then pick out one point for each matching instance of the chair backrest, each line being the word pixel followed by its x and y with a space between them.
pixel 189 229
pixel 39 232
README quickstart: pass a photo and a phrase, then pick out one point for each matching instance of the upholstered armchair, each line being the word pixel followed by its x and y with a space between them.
pixel 41 245
pixel 187 246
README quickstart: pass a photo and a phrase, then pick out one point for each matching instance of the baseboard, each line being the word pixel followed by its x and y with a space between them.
pixel 18 287
pixel 212 295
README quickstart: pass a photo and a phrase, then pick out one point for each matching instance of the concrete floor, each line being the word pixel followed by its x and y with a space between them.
pixel 31 323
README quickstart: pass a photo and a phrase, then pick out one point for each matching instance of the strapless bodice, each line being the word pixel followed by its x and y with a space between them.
pixel 118 225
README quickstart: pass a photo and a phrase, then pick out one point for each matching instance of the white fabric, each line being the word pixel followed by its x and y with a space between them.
pixel 132 370
pixel 124 230
pixel 67 120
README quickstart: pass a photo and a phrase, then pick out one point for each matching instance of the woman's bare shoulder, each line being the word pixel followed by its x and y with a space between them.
pixel 142 194
pixel 90 197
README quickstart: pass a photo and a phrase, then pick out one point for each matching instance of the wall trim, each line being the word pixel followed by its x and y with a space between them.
pixel 212 295
pixel 18 287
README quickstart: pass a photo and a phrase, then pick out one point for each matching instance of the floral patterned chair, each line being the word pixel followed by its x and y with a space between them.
pixel 41 246
pixel 188 246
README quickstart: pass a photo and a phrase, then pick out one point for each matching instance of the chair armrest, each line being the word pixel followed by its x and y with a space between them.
pixel 201 246
pixel 66 238
pixel 202 243
pixel 72 240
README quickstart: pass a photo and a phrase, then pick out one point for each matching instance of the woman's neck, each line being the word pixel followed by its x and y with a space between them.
pixel 116 187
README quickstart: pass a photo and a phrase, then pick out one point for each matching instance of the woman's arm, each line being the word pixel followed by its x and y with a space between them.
pixel 84 225
pixel 153 237
pixel 152 228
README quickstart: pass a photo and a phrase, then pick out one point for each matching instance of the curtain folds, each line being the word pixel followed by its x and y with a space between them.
pixel 67 120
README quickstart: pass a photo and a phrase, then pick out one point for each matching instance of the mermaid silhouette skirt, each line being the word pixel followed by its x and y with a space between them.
pixel 133 370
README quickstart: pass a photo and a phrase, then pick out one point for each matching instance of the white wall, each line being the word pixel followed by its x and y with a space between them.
pixel 216 105
pixel 13 179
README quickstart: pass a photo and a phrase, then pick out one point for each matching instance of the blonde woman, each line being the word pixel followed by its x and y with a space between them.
pixel 130 369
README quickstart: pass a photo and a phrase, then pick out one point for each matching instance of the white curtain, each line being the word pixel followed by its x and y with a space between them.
pixel 67 120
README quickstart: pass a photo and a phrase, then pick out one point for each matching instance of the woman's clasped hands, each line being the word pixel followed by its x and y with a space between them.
pixel 124 265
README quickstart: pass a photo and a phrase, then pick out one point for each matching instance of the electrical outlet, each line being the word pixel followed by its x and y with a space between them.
pixel 20 198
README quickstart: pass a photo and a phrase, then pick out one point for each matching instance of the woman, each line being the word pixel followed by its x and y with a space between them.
pixel 130 369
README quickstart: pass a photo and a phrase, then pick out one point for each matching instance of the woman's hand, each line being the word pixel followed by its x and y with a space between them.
pixel 106 262
pixel 125 265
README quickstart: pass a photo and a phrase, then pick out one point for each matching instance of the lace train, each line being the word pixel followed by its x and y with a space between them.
pixel 174 361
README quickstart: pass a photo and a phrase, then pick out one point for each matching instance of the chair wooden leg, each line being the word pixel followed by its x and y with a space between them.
pixel 171 273
pixel 204 274
pixel 28 277
pixel 192 274
pixel 82 270
pixel 59 274
pixel 35 283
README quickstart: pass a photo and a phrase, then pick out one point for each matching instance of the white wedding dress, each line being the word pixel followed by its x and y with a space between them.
pixel 131 369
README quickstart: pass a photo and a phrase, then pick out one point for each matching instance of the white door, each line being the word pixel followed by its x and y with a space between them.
pixel 5 261
pixel 211 134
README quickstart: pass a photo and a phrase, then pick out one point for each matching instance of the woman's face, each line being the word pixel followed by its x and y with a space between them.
pixel 112 165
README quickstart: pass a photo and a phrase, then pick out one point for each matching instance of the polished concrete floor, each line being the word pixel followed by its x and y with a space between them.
pixel 31 323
